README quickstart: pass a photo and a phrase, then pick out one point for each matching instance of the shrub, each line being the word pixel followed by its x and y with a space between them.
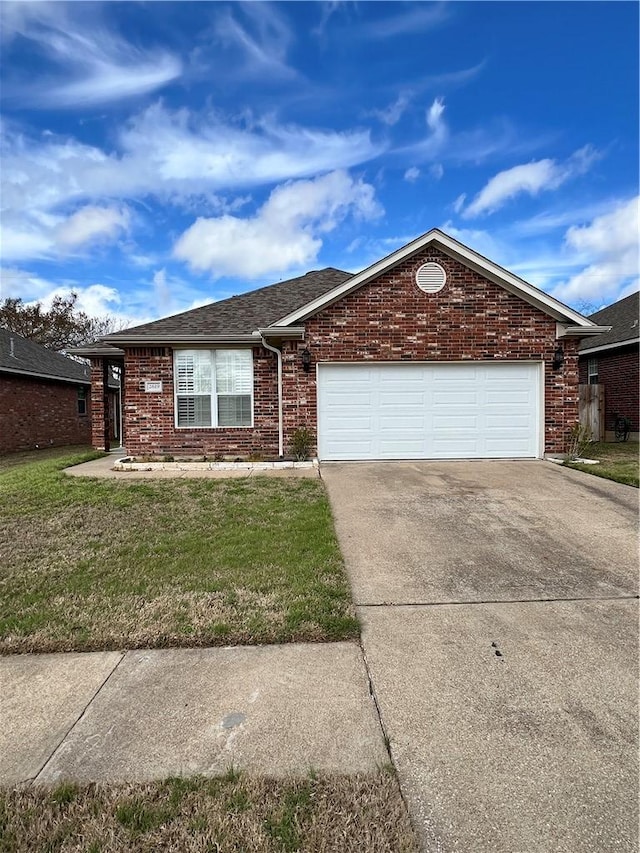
pixel 579 440
pixel 302 442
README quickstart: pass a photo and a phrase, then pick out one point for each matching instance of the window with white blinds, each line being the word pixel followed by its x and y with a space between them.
pixel 214 388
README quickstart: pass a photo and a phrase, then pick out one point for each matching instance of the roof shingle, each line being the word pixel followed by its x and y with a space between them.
pixel 622 316
pixel 31 358
pixel 243 314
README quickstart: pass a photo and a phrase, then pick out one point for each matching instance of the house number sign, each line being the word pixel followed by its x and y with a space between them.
pixel 153 387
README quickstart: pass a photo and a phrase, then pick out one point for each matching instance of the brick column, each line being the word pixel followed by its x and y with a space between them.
pixel 99 412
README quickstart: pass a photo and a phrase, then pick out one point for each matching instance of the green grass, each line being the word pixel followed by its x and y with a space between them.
pixel 362 813
pixel 89 564
pixel 619 461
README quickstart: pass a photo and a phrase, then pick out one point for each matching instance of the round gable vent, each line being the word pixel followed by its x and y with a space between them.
pixel 431 277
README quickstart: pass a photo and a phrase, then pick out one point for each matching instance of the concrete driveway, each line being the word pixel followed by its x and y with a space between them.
pixel 499 611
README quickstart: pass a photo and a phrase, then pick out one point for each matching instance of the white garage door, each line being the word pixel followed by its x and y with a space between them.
pixel 429 411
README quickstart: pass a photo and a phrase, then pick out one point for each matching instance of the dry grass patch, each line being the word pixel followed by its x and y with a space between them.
pixel 351 814
pixel 100 564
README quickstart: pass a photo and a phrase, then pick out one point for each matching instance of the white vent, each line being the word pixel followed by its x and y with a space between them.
pixel 431 277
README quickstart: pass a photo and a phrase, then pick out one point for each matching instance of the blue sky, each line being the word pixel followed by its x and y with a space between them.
pixel 158 156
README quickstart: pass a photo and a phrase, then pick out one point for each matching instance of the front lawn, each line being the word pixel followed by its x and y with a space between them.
pixel 618 461
pixel 351 814
pixel 88 564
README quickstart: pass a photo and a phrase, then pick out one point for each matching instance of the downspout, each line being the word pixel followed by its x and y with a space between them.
pixel 280 425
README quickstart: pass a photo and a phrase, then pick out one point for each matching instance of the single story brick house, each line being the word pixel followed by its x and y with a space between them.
pixel 613 360
pixel 432 352
pixel 44 396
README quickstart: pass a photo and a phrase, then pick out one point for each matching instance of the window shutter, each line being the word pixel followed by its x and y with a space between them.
pixel 234 373
pixel 193 372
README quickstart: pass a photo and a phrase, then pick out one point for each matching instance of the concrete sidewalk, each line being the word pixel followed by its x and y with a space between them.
pixel 103 468
pixel 143 715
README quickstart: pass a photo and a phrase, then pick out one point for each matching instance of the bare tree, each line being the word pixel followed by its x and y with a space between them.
pixel 61 327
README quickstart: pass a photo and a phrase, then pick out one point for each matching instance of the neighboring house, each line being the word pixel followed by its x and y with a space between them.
pixel 612 360
pixel 432 352
pixel 44 396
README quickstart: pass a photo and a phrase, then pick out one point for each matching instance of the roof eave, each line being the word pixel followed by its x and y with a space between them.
pixel 583 331
pixel 614 345
pixel 51 377
pixel 289 333
pixel 460 252
pixel 169 340
pixel 97 352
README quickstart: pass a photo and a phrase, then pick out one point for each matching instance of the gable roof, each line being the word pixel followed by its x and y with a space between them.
pixel 275 309
pixel 470 258
pixel 240 315
pixel 623 318
pixel 24 357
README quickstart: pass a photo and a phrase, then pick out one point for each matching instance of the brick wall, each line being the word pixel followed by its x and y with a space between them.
pixel 149 426
pixel 391 319
pixel 40 413
pixel 618 372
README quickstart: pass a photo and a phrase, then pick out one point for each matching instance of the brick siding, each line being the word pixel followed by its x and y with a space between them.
pixel 618 372
pixel 389 319
pixel 39 413
pixel 149 422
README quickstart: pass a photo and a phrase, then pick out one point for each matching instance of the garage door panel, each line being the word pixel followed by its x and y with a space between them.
pixel 428 411
pixel 509 396
pixel 455 422
pixel 457 397
pixel 406 423
pixel 506 423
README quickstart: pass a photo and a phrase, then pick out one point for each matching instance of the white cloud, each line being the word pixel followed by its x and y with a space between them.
pixel 608 249
pixel 94 64
pixel 96 300
pixel 284 234
pixel 418 18
pixel 175 157
pixel 392 114
pixel 412 174
pixel 442 145
pixel 328 9
pixel 436 124
pixel 436 171
pixel 90 224
pixel 34 233
pixel 262 41
pixel 458 204
pixel 530 178
pixel 16 283
pixel 449 79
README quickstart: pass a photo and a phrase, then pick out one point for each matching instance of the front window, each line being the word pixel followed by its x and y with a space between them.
pixel 214 388
pixel 592 371
pixel 82 400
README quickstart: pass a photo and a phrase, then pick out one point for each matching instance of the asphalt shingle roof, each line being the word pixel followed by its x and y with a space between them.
pixel 32 358
pixel 622 316
pixel 243 314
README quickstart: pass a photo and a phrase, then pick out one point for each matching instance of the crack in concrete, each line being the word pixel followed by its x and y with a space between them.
pixel 34 780
pixel 386 738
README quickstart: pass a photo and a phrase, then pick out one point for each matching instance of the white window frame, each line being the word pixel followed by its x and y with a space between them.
pixel 214 395
pixel 592 371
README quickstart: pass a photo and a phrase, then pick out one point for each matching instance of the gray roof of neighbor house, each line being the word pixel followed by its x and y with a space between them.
pixel 623 318
pixel 22 356
pixel 243 314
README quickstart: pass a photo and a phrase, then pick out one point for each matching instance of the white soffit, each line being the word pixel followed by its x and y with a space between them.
pixel 458 251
